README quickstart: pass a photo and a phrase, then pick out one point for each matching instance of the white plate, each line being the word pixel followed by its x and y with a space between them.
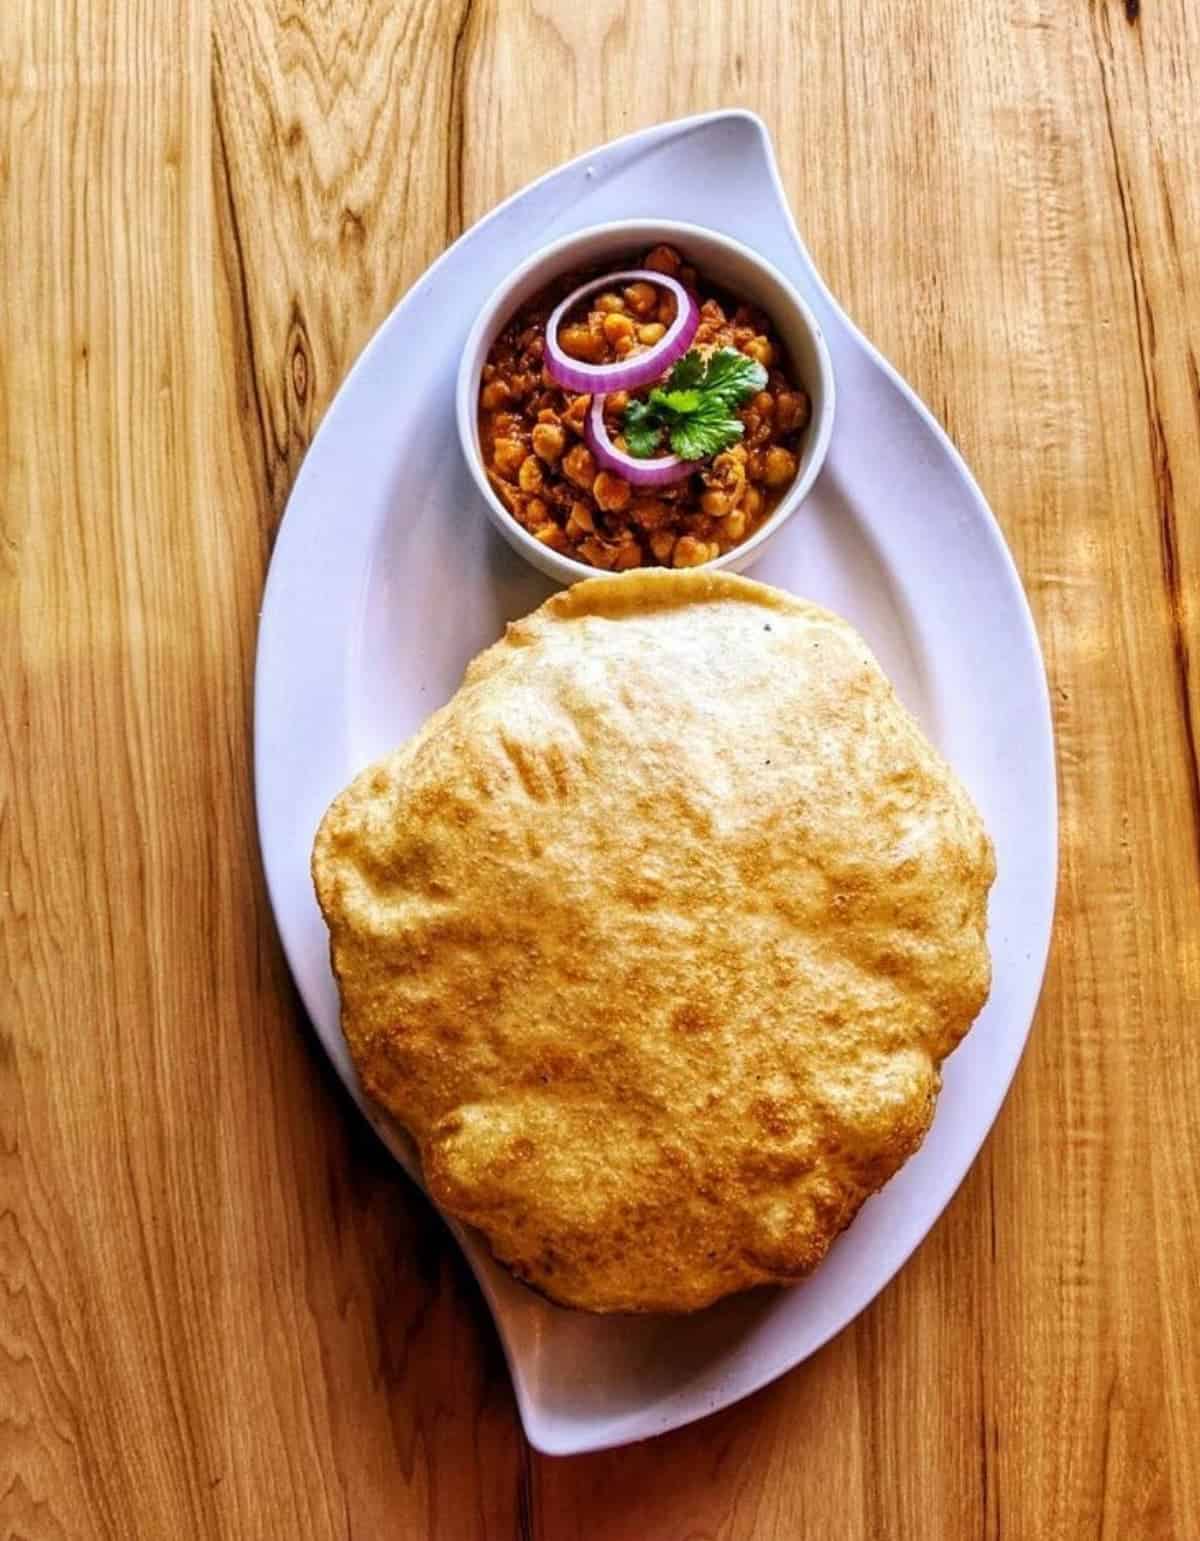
pixel 387 578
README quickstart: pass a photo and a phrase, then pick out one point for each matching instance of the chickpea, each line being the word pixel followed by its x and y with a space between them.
pixel 690 552
pixel 487 373
pixel 752 503
pixel 650 513
pixel 537 511
pixel 665 313
pixel 629 554
pixel 530 476
pixel 779 466
pixel 597 553
pixel 507 456
pixel 493 395
pixel 756 467
pixel 759 348
pixel 580 521
pixel 550 535
pixel 611 492
pixel 728 472
pixel 507 494
pixel 791 410
pixel 574 415
pixel 579 466
pixel 663 259
pixel 735 526
pixel 641 298
pixel 652 332
pixel 549 441
pixel 617 327
pixel 582 343
pixel 764 404
pixel 615 403
pixel 611 304
pixel 662 544
pixel 716 503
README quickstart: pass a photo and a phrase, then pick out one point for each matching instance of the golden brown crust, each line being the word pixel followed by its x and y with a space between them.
pixel 656 935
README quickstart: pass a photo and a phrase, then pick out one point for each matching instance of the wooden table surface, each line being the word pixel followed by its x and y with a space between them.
pixel 223 1312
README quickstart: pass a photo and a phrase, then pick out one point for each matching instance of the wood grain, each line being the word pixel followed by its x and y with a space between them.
pixel 222 1312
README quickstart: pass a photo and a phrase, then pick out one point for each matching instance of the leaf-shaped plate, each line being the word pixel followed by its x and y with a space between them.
pixel 386 579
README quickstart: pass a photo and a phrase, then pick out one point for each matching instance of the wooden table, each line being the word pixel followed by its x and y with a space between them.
pixel 222 1311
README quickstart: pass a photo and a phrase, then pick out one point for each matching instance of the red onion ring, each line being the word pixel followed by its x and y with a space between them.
pixel 660 471
pixel 623 376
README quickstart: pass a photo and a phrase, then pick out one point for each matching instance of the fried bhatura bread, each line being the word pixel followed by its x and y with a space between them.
pixel 656 935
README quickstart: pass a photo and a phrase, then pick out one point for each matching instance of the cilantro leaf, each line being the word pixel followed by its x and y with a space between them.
pixel 643 429
pixel 731 377
pixel 696 407
pixel 706 432
pixel 678 401
pixel 687 372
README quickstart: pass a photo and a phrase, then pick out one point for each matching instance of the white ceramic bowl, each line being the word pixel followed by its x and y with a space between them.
pixel 727 263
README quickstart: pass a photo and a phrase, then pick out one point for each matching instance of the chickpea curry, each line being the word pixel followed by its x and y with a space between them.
pixel 640 418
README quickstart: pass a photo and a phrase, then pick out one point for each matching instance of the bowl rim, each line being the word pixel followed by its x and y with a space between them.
pixel 567 569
